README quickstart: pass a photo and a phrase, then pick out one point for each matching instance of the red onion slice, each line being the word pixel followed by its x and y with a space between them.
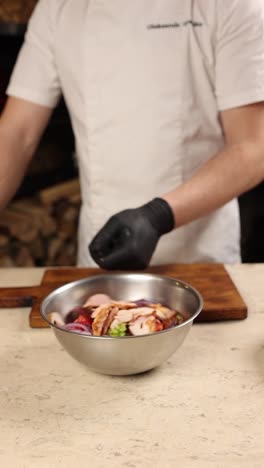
pixel 78 327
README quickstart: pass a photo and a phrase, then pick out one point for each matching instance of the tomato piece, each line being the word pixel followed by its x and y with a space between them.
pixel 159 326
pixel 84 319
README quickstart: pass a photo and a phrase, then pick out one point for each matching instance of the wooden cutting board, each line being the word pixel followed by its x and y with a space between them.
pixel 222 300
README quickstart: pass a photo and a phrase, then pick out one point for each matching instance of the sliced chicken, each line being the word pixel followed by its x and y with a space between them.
pixel 124 315
pixel 164 313
pixel 129 315
pixel 143 326
pixel 98 309
pixel 142 312
pixel 114 323
pixel 97 300
pixel 101 313
pixel 99 320
pixel 123 305
pixel 109 320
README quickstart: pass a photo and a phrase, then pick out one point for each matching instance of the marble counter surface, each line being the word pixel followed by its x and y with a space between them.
pixel 204 408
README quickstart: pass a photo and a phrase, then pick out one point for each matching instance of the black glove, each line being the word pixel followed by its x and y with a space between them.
pixel 128 240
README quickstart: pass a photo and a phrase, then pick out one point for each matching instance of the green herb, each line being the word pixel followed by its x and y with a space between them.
pixel 119 330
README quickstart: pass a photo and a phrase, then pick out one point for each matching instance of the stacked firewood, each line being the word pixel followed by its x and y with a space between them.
pixel 16 11
pixel 41 230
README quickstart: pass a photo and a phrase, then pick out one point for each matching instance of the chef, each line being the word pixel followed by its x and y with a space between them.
pixel 166 103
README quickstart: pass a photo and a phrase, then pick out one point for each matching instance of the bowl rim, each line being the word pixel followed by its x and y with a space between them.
pixel 65 287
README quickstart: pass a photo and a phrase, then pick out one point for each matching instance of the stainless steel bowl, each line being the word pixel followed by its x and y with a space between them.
pixel 126 355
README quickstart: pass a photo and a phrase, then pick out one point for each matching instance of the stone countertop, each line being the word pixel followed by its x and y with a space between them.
pixel 204 408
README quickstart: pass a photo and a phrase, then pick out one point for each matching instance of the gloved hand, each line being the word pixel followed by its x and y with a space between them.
pixel 128 240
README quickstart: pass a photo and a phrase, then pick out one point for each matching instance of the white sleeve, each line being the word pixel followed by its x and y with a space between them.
pixel 35 76
pixel 239 53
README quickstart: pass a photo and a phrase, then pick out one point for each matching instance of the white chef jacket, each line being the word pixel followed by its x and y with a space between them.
pixel 144 82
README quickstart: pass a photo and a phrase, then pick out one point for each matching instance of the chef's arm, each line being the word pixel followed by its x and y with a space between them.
pixel 21 126
pixel 129 238
pixel 234 170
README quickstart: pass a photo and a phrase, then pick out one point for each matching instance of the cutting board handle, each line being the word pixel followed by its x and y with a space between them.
pixel 19 297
